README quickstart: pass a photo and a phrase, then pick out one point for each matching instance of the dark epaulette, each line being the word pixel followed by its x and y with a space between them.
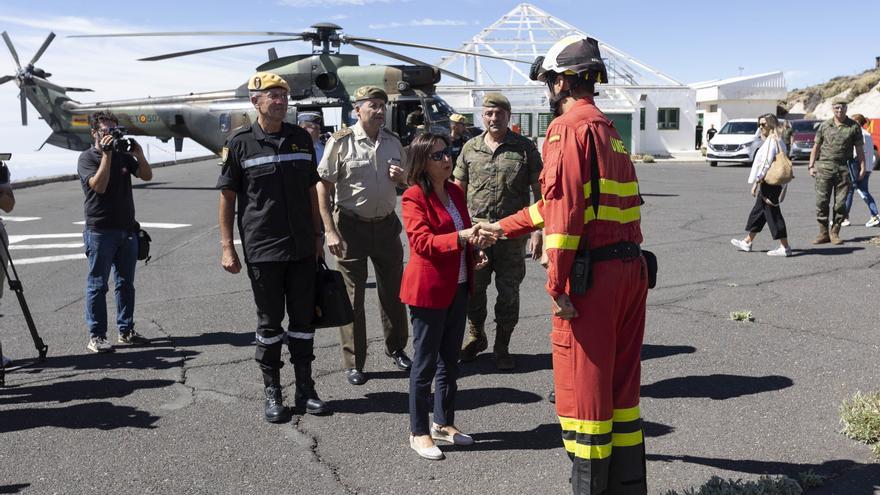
pixel 341 133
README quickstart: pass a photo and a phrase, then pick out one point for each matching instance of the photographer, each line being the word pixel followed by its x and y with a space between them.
pixel 7 202
pixel 110 233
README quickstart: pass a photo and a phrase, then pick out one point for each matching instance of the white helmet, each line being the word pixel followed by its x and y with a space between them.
pixel 572 55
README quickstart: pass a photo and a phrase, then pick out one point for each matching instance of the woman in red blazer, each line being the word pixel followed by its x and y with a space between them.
pixel 435 285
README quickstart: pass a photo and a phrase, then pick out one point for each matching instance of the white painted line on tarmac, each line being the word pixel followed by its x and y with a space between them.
pixel 49 259
pixel 24 237
pixel 68 245
pixel 19 219
pixel 152 225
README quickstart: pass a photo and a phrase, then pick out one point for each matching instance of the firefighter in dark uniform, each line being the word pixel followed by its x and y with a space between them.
pixel 590 213
pixel 269 169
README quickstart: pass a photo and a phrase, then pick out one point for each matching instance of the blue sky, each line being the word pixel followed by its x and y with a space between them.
pixel 689 40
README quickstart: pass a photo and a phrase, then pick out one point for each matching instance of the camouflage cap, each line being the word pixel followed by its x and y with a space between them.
pixel 459 118
pixel 261 81
pixel 839 101
pixel 370 92
pixel 496 100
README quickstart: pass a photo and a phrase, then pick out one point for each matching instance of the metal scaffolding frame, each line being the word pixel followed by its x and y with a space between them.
pixel 527 32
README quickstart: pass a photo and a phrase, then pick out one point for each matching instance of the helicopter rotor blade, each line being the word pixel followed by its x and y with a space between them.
pixel 6 79
pixel 11 49
pixel 404 58
pixel 43 48
pixel 214 48
pixel 349 39
pixel 23 99
pixel 81 90
pixel 46 84
pixel 188 33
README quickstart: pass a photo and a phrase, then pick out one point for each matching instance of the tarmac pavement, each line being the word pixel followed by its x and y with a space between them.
pixel 183 414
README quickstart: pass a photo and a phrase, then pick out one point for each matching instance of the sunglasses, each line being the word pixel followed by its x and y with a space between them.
pixel 438 155
pixel 762 124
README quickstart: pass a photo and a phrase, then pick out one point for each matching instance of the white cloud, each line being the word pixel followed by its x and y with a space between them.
pixel 339 17
pixel 110 67
pixel 419 23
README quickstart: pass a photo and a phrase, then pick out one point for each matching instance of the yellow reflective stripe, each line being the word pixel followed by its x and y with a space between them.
pixel 535 215
pixel 624 415
pixel 585 426
pixel 587 451
pixel 613 214
pixel 562 241
pixel 612 187
pixel 622 189
pixel 626 439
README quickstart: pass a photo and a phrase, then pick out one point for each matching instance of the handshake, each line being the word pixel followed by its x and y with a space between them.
pixel 482 235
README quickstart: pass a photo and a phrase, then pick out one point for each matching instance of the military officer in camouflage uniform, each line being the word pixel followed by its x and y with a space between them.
pixel 497 169
pixel 833 148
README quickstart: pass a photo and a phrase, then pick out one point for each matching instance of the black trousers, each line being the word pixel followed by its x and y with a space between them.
pixel 762 213
pixel 437 336
pixel 276 286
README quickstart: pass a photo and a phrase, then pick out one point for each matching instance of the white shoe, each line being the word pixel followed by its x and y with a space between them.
pixel 874 221
pixel 780 251
pixel 845 223
pixel 455 439
pixel 741 245
pixel 99 345
pixel 433 453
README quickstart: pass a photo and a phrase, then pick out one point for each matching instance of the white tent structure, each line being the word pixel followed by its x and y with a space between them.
pixel 738 97
pixel 653 112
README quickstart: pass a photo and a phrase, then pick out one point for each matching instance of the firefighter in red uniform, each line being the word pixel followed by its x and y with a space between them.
pixel 596 276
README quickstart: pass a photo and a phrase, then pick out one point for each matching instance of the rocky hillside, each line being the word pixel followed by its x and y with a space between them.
pixel 861 90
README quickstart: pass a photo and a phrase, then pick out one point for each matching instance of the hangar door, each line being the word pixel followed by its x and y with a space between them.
pixel 623 124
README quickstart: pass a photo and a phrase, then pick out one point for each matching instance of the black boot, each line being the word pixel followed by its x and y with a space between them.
pixel 275 411
pixel 305 395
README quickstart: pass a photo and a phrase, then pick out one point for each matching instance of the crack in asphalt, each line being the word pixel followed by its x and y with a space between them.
pixel 316 454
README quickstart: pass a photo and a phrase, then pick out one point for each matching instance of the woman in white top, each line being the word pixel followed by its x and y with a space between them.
pixel 767 197
pixel 862 185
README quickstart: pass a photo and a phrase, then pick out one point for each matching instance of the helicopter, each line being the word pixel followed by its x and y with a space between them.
pixel 321 81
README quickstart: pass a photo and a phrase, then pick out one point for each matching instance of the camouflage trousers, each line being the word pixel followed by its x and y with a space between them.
pixel 507 261
pixel 831 181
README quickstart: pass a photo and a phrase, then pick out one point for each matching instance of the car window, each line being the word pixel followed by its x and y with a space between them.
pixel 739 128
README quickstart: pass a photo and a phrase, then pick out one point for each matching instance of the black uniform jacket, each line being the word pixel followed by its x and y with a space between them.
pixel 272 176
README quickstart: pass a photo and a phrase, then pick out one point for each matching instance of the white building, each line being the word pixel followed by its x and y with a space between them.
pixel 653 112
pixel 744 97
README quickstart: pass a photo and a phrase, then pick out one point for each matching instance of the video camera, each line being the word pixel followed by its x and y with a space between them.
pixel 120 143
pixel 4 170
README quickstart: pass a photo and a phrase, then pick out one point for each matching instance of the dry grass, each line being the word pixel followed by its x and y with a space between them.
pixel 860 417
pixel 812 96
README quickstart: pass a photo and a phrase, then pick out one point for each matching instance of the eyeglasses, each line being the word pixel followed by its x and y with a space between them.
pixel 276 96
pixel 437 156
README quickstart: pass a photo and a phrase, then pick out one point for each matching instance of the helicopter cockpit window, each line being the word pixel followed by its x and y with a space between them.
pixel 439 111
pixel 225 122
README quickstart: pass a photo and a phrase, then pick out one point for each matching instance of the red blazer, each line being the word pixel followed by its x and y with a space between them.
pixel 431 275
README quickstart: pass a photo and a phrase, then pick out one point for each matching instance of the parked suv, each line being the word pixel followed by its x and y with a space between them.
pixel 802 138
pixel 737 141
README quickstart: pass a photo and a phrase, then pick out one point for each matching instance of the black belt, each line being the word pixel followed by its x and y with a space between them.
pixel 351 214
pixel 621 250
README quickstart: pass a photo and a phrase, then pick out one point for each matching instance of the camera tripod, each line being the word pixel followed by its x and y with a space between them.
pixel 15 285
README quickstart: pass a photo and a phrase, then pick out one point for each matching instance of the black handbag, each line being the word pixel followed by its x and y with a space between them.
pixel 143 245
pixel 332 306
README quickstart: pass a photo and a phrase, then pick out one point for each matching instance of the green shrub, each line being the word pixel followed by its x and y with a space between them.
pixel 782 485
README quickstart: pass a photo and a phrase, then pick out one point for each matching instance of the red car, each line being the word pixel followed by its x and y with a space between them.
pixel 802 138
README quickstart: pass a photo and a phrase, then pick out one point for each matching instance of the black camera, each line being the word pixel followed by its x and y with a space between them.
pixel 120 143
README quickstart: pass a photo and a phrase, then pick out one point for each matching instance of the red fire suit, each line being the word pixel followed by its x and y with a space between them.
pixel 596 356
